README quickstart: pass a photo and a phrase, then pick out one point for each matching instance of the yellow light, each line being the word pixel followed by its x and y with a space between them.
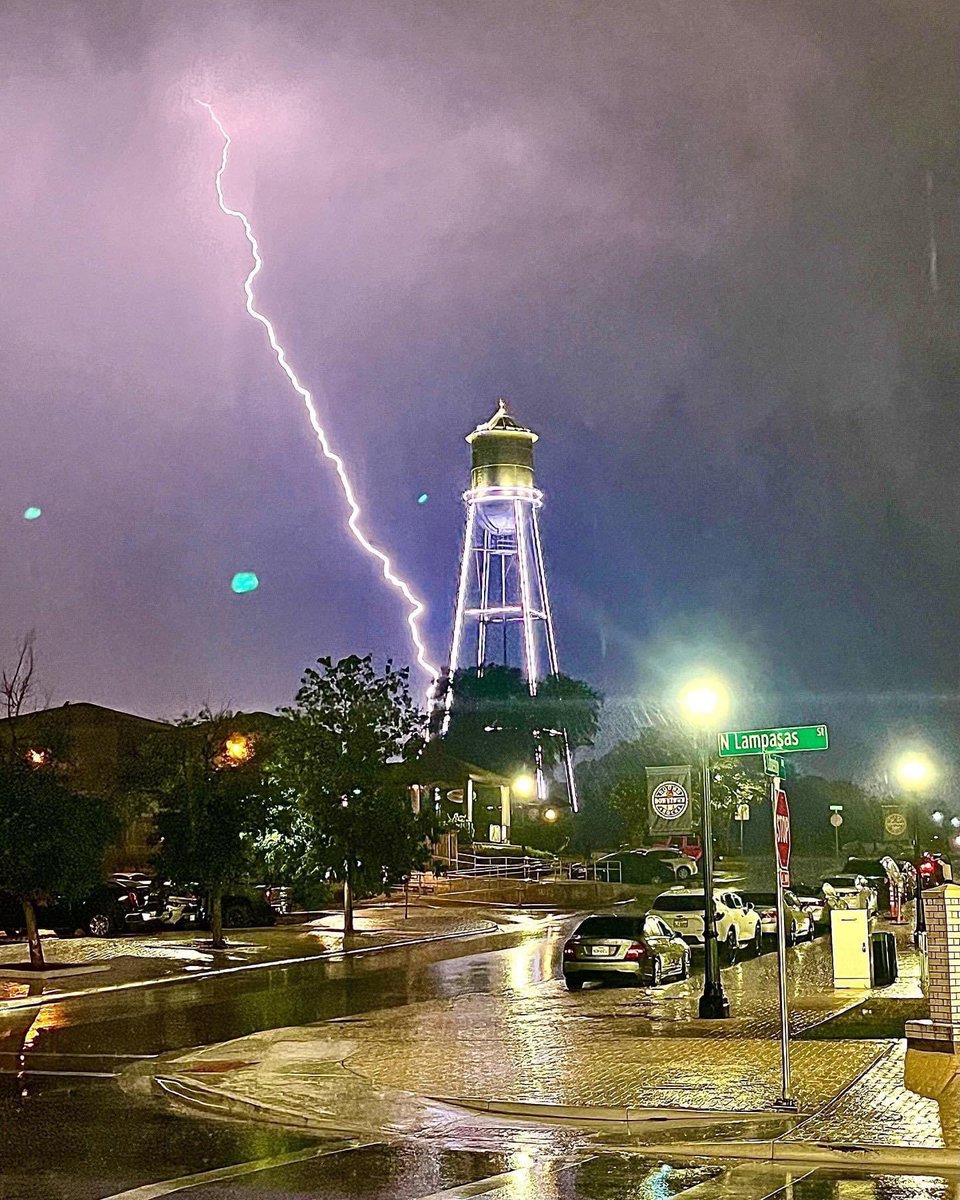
pixel 238 747
pixel 524 785
pixel 550 814
pixel 705 702
pixel 914 771
pixel 36 758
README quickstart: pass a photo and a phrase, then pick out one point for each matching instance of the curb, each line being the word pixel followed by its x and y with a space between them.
pixel 916 1159
pixel 140 984
pixel 600 1113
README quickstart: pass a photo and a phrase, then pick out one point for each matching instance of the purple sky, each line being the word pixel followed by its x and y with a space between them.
pixel 687 241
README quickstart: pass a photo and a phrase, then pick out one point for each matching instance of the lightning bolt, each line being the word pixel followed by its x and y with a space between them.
pixel 415 605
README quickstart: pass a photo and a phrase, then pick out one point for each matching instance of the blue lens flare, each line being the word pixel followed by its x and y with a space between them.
pixel 31 513
pixel 243 582
pixel 423 498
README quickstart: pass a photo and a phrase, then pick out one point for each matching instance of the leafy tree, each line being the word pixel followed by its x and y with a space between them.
pixel 52 841
pixel 617 780
pixel 495 722
pixel 211 805
pixel 336 812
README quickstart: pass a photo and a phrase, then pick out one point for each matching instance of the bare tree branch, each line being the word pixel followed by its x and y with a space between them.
pixel 19 686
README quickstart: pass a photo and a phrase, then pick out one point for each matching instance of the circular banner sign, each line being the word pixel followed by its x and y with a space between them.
pixel 669 800
pixel 895 824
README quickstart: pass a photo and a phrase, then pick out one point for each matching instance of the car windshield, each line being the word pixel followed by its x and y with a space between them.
pixel 841 881
pixel 679 903
pixel 761 899
pixel 618 927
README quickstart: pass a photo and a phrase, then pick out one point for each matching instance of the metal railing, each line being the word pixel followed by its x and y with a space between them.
pixel 483 866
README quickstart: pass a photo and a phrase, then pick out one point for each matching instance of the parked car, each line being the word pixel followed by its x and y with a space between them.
pixel 242 907
pixel 798 923
pixel 641 866
pixel 811 900
pixel 113 907
pixel 882 874
pixel 737 924
pixel 678 866
pixel 685 843
pixel 849 891
pixel 934 869
pixel 624 949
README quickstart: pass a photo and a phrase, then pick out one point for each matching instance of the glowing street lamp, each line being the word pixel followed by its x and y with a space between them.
pixel 705 703
pixel 915 772
pixel 524 786
pixel 550 815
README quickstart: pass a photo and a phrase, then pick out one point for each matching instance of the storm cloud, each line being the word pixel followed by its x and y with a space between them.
pixel 688 242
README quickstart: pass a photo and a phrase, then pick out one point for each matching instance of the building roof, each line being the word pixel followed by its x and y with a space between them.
pixel 501 422
pixel 88 713
pixel 437 767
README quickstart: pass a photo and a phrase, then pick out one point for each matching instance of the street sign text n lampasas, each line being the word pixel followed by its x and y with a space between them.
pixel 789 740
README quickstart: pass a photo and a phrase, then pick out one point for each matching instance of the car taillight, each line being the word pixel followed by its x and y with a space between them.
pixel 768 914
pixel 637 951
pixel 569 949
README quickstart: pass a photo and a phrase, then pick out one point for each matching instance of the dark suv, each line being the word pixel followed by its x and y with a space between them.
pixel 110 908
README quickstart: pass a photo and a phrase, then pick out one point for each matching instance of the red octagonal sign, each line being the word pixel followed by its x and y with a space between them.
pixel 781 827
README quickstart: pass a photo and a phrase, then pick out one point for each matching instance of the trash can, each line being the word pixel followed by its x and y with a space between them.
pixel 883 947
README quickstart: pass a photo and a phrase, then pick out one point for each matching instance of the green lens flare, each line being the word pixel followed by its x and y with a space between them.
pixel 31 513
pixel 244 581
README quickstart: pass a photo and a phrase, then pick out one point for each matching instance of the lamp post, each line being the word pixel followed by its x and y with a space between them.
pixel 704 702
pixel 914 773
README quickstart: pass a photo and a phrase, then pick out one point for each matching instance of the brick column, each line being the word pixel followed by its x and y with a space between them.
pixel 941 906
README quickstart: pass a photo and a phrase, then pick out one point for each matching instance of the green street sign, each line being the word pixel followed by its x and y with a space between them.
pixel 791 740
pixel 773 764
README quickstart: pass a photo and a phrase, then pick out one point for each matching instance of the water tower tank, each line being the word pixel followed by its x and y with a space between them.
pixel 502 452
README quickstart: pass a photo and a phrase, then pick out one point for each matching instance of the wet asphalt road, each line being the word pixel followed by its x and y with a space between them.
pixel 70 1132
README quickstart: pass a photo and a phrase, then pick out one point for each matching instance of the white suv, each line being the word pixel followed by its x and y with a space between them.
pixel 738 924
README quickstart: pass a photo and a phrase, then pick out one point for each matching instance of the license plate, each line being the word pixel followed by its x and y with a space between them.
pixel 600 951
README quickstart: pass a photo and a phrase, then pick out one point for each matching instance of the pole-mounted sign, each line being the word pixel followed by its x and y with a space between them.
pixel 781 829
pixel 789 740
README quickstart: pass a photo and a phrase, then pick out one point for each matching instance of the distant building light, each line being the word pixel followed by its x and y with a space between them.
pixel 238 747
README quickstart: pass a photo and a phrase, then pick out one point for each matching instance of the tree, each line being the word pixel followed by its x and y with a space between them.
pixel 212 805
pixel 496 723
pixel 52 841
pixel 337 813
pixel 18 684
pixel 618 782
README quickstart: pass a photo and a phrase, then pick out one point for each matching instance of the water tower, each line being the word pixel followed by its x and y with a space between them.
pixel 503 607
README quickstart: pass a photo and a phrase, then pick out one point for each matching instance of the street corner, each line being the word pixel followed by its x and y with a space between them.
pixel 300 1077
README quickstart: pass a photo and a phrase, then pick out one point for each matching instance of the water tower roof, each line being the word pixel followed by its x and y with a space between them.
pixel 502 423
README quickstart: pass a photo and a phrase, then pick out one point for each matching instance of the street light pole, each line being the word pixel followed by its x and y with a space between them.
pixel 713 1002
pixel 915 772
pixel 920 922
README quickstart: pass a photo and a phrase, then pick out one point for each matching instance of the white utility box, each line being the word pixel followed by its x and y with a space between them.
pixel 850 943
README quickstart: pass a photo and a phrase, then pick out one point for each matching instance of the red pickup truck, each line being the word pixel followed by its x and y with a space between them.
pixel 686 843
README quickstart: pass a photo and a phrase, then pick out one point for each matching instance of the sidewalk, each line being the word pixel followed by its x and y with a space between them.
pixel 599 1055
pixel 145 960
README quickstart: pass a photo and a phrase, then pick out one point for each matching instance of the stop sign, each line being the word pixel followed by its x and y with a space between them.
pixel 781 829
